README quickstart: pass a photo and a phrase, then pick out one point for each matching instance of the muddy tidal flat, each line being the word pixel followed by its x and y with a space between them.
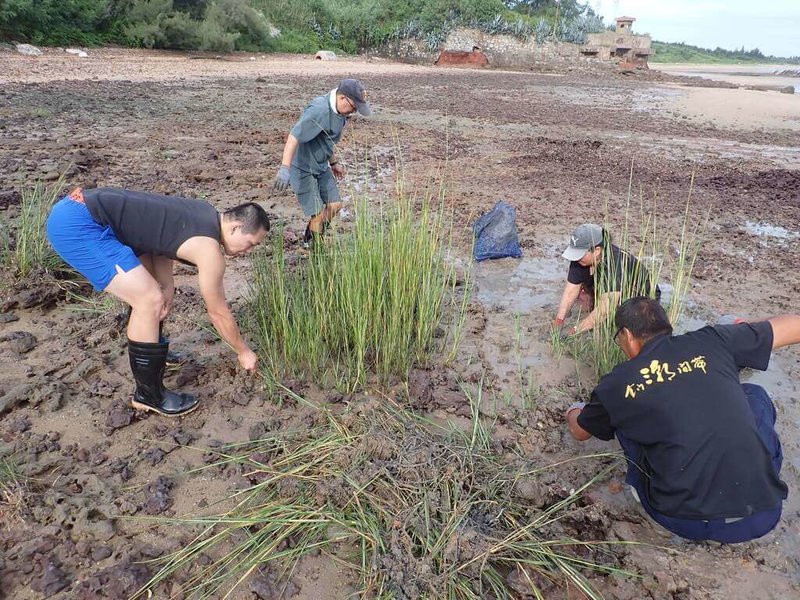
pixel 563 149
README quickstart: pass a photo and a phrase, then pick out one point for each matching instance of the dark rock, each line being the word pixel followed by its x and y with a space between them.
pixel 158 499
pixel 121 467
pixel 15 396
pixel 8 318
pixel 84 548
pixel 257 431
pixel 52 581
pixel 80 372
pixel 420 387
pixel 241 399
pixel 188 375
pixel 101 553
pixel 36 297
pixel 98 458
pixel 266 586
pixel 20 425
pixel 529 489
pixel 119 415
pixel 20 341
pixel 153 456
pixel 119 581
pixel 184 438
pixel 52 394
pixel 9 198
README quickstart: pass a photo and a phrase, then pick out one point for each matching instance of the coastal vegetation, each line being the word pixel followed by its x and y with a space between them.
pixel 666 52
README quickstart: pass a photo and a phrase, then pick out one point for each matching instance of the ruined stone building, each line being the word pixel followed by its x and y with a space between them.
pixel 620 45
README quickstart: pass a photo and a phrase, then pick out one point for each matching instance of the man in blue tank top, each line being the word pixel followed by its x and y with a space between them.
pixel 125 243
pixel 308 162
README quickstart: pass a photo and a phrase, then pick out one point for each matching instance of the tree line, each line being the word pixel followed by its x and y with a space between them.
pixel 283 25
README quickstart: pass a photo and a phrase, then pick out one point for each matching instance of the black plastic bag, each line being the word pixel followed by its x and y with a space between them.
pixel 496 233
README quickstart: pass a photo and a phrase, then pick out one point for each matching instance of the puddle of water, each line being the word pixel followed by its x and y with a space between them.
pixel 767 230
pixel 521 285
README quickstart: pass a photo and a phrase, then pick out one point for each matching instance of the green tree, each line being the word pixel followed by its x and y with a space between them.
pixel 56 22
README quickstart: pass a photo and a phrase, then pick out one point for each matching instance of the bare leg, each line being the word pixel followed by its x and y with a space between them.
pixel 141 291
pixel 319 221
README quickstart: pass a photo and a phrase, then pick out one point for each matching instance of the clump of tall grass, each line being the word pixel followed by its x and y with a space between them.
pixel 414 511
pixel 372 300
pixel 665 254
pixel 27 249
pixel 13 492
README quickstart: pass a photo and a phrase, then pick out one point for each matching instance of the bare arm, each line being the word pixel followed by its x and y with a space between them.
pixel 209 275
pixel 163 268
pixel 568 299
pixel 205 253
pixel 785 330
pixel 289 150
pixel 606 304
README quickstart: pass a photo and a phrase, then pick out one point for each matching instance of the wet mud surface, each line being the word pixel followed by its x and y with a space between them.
pixel 559 148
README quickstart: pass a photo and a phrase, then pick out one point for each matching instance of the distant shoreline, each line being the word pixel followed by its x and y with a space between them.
pixel 771 75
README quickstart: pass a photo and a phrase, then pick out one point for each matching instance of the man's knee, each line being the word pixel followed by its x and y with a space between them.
pixel 149 303
pixel 760 403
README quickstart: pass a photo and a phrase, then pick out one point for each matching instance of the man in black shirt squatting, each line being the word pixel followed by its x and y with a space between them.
pixel 703 456
pixel 126 242
pixel 600 276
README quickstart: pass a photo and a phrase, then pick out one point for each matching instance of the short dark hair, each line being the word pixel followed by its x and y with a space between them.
pixel 605 238
pixel 644 317
pixel 252 217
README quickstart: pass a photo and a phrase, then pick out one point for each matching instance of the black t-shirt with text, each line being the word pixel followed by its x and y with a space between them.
pixel 617 271
pixel 681 400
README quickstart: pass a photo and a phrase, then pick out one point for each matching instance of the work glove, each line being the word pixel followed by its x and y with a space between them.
pixel 282 179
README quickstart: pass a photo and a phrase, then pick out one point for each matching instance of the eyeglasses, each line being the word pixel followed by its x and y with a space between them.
pixel 351 103
pixel 616 335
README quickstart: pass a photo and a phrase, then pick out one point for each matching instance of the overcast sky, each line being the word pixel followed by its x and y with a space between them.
pixel 772 26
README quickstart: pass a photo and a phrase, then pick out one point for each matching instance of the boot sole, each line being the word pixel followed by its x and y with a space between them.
pixel 146 408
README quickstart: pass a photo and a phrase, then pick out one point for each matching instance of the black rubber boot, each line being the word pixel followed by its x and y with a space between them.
pixel 147 365
pixel 313 238
pixel 175 360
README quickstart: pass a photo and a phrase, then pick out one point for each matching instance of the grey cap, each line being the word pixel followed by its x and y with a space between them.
pixel 353 89
pixel 583 239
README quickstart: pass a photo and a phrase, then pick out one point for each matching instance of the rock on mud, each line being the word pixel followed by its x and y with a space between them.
pixel 9 198
pixel 420 387
pixel 28 50
pixel 21 342
pixel 119 415
pixel 119 581
pixel 77 52
pixel 34 393
pixel 158 499
pixel 52 581
pixel 266 586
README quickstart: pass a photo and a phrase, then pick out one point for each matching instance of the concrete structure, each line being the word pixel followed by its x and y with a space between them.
pixel 621 45
pixel 501 51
